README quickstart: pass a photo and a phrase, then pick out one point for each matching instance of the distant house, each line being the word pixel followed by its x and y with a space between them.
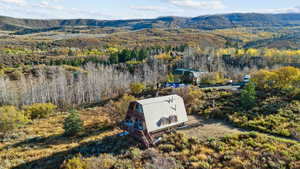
pixel 188 75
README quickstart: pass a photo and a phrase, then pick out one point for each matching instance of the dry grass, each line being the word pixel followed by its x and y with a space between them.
pixel 43 138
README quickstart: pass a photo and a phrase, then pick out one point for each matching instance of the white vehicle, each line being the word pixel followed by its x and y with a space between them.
pixel 147 119
pixel 246 78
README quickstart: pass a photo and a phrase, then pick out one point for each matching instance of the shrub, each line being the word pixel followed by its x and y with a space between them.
pixel 15 75
pixel 11 118
pixel 137 88
pixel 295 93
pixel 39 110
pixel 119 108
pixel 124 164
pixel 135 153
pixel 104 161
pixel 248 96
pixel 214 78
pixel 166 147
pixel 123 104
pixel 134 62
pixel 193 98
pixel 73 124
pixel 2 73
pixel 73 69
pixel 170 78
pixel 75 163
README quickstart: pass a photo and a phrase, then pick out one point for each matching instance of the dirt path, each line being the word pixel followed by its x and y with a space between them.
pixel 204 129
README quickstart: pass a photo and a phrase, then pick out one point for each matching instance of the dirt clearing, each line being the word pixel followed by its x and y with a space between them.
pixel 208 128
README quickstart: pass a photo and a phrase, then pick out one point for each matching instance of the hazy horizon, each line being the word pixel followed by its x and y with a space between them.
pixel 138 9
pixel 150 17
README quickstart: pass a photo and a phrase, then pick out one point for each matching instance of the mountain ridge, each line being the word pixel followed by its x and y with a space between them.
pixel 206 22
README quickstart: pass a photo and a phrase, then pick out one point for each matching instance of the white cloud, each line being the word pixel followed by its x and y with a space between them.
pixel 14 1
pixel 198 4
pixel 271 11
pixel 284 10
pixel 47 9
pixel 46 5
pixel 149 8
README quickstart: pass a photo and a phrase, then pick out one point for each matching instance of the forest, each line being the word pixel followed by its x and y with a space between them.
pixel 65 89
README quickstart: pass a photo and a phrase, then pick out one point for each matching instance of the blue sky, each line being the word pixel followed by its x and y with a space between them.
pixel 128 9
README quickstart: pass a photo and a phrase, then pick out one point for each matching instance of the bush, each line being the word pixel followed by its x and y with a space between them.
pixel 123 104
pixel 124 164
pixel 39 110
pixel 2 73
pixel 75 163
pixel 73 124
pixel 137 88
pixel 166 147
pixel 135 153
pixel 74 69
pixel 170 78
pixel 295 93
pixel 214 78
pixel 15 75
pixel 193 98
pixel 104 161
pixel 11 118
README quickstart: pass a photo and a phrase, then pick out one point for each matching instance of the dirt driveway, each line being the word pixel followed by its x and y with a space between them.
pixel 204 129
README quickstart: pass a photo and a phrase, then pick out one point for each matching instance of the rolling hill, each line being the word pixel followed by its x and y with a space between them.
pixel 207 22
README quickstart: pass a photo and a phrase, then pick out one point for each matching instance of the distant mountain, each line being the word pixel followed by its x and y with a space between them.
pixel 208 22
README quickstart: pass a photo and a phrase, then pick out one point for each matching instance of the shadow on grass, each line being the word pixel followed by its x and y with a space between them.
pixel 42 142
pixel 113 144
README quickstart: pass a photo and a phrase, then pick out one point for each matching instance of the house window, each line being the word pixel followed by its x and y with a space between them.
pixel 138 125
pixel 139 108
pixel 128 123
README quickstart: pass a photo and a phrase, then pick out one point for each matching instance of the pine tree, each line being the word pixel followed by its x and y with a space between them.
pixel 73 124
pixel 248 96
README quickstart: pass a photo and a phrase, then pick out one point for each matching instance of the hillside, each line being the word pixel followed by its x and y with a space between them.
pixel 289 41
pixel 202 22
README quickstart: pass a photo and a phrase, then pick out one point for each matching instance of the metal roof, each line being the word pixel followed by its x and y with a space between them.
pixel 156 109
pixel 156 99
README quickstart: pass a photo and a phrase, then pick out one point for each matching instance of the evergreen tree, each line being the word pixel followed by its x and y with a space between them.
pixel 248 96
pixel 73 124
pixel 114 58
pixel 124 55
pixel 143 54
pixel 134 55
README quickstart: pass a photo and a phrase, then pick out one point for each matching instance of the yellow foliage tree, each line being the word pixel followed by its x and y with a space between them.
pixel 137 88
pixel 281 78
pixel 163 56
pixel 39 110
pixel 287 76
pixel 112 50
pixel 252 52
pixel 214 78
pixel 240 52
pixel 11 118
pixel 264 79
